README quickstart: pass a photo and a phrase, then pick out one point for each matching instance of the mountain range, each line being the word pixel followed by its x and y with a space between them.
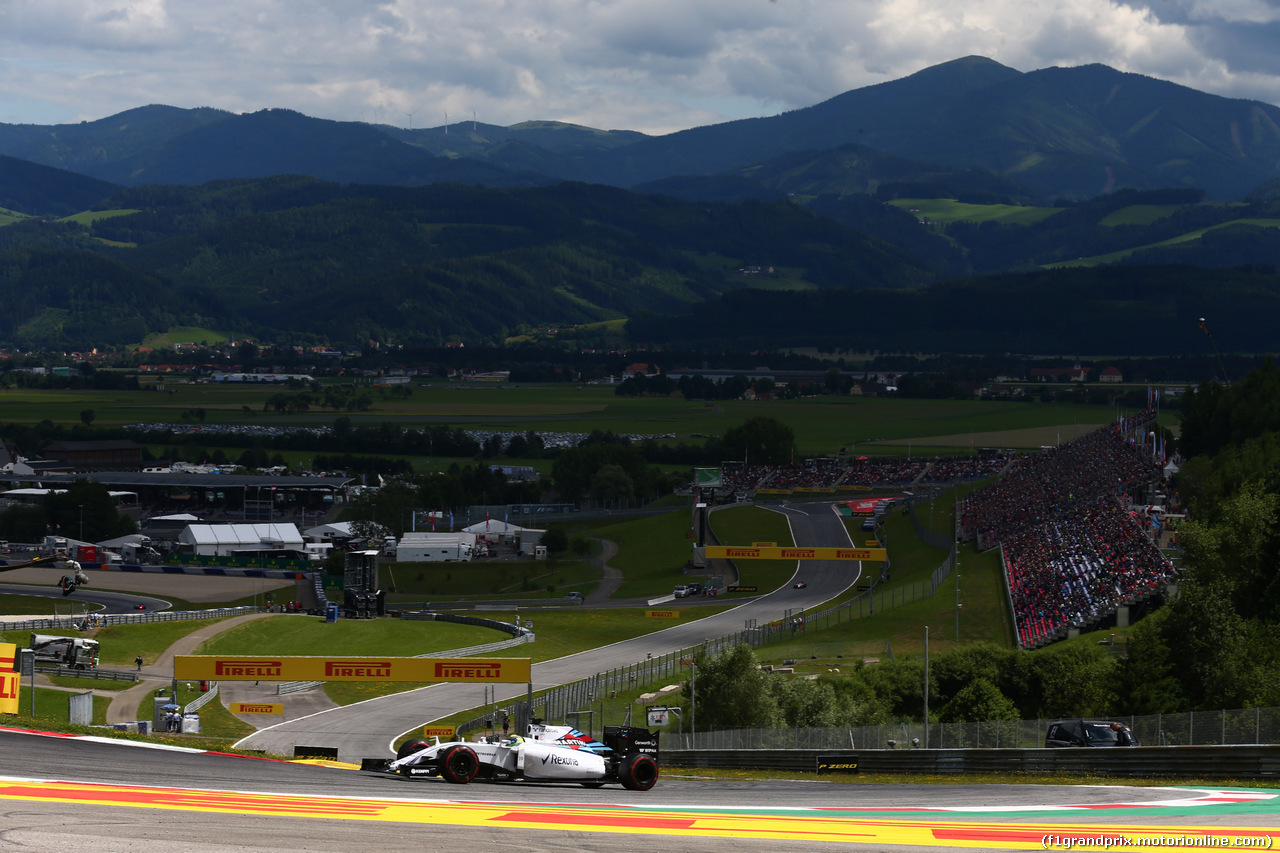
pixel 969 206
pixel 1069 133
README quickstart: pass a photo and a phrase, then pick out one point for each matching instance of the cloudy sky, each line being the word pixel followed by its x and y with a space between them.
pixel 650 65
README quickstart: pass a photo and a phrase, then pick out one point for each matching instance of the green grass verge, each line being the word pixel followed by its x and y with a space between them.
pixel 26 605
pixel 52 705
pixel 652 552
pixel 536 580
pixel 310 635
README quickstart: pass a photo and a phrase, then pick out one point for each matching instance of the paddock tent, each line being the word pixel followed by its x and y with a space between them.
pixel 417 547
pixel 223 540
pixel 500 531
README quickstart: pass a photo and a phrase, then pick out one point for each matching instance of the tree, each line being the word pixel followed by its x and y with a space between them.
pixel 390 508
pixel 612 483
pixel 731 691
pixel 555 540
pixel 761 441
pixel 89 507
pixel 86 416
pixel 978 701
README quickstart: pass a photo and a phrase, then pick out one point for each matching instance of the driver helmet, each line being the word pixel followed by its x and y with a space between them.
pixel 514 739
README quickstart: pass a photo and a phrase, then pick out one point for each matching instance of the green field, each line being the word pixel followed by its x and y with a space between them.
pixel 1112 257
pixel 180 335
pixel 88 217
pixel 821 424
pixel 946 210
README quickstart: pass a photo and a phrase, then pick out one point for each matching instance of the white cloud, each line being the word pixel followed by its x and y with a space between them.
pixel 653 65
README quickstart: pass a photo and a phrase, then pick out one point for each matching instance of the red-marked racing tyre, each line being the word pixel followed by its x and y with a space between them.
pixel 459 764
pixel 638 772
pixel 411 746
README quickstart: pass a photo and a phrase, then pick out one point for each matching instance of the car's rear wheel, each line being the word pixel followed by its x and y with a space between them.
pixel 638 772
pixel 459 764
pixel 410 747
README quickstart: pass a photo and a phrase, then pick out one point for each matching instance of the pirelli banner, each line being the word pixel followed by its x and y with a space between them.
pixel 9 681
pixel 305 668
pixel 754 552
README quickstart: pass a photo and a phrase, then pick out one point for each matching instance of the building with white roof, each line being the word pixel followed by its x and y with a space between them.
pixel 224 540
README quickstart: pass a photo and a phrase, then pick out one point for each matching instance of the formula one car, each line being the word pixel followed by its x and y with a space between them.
pixel 628 756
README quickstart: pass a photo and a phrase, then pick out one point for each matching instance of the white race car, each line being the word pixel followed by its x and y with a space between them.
pixel 628 756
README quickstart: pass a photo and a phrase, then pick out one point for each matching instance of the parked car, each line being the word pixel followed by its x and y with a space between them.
pixel 681 591
pixel 1064 733
pixel 692 589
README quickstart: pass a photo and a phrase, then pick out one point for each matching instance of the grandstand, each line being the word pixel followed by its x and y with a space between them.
pixel 1072 552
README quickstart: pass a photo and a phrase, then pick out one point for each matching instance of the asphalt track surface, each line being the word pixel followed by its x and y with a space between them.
pixel 367 729
pixel 58 793
pixel 110 602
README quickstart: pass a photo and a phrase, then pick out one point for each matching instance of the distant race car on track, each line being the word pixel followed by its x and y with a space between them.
pixel 628 756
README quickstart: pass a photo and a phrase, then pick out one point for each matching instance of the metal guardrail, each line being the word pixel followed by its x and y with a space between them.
pixel 1256 761
pixel 82 621
pixel 99 674
pixel 197 704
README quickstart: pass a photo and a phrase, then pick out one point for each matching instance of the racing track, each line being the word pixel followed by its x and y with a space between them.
pixel 111 602
pixel 72 794
pixel 367 729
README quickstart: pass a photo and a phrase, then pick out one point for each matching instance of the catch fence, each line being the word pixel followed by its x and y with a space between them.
pixel 1191 728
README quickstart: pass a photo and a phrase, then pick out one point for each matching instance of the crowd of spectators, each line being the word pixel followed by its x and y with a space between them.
pixel 947 469
pixel 1072 571
pixel 1052 485
pixel 830 473
pixel 815 474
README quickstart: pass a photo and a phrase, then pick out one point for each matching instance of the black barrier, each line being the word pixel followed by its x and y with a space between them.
pixel 330 752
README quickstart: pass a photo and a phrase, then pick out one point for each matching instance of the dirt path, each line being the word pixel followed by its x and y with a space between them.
pixel 612 577
pixel 126 705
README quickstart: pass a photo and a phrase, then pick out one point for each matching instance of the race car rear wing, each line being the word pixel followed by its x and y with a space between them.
pixel 628 740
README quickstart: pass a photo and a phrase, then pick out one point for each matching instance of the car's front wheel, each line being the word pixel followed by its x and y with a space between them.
pixel 410 747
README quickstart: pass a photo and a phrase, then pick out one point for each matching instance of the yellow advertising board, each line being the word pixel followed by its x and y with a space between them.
pixel 753 552
pixel 306 668
pixel 9 680
pixel 257 708
pixel 445 733
pixel 662 614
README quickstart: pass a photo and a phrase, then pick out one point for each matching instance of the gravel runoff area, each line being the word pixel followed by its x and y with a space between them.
pixel 195 588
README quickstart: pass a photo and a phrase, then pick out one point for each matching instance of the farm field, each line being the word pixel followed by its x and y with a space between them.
pixel 1112 257
pixel 821 424
pixel 946 210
